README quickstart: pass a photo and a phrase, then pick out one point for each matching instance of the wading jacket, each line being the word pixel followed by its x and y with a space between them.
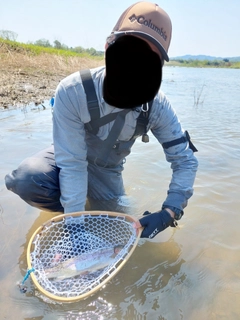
pixel 75 146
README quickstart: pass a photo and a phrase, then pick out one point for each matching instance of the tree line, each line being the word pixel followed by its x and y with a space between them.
pixel 204 63
pixel 12 36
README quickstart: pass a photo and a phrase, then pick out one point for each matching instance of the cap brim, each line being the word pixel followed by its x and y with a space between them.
pixel 142 35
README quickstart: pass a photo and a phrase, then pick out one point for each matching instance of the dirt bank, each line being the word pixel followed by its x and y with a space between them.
pixel 26 78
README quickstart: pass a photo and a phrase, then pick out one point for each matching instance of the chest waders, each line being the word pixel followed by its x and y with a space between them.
pixel 110 152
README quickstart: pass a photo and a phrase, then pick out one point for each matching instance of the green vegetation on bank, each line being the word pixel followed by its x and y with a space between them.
pixel 36 49
pixel 225 63
pixel 44 43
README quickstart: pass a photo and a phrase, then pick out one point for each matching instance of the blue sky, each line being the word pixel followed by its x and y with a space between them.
pixel 210 27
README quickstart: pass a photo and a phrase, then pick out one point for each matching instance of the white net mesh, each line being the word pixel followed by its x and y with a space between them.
pixel 76 254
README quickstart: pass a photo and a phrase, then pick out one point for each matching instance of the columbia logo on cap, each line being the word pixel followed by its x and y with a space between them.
pixel 148 23
pixel 137 20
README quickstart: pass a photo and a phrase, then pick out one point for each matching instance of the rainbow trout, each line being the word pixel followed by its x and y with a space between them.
pixel 88 262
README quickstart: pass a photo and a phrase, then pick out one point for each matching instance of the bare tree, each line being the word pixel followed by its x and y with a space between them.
pixel 8 35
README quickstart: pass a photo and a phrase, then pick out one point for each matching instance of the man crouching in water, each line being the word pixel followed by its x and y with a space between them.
pixel 98 114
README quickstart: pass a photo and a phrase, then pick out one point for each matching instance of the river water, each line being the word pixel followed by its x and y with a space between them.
pixel 192 272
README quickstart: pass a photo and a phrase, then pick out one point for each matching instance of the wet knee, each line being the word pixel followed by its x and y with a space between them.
pixel 22 181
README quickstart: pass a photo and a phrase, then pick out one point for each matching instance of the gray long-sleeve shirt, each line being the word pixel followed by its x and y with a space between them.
pixel 70 115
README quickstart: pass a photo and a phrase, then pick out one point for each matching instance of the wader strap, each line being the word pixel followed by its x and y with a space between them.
pixel 92 100
pixel 93 108
pixel 185 138
pixel 97 123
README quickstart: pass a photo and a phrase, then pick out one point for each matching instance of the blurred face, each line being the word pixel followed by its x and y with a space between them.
pixel 133 72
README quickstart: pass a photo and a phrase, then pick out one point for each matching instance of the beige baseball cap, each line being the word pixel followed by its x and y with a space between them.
pixel 147 21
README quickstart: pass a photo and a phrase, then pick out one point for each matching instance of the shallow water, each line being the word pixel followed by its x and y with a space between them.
pixel 187 273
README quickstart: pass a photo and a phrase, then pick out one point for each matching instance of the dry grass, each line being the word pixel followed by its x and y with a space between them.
pixel 20 69
pixel 44 62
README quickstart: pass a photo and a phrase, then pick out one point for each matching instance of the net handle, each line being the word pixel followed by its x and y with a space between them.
pixel 77 214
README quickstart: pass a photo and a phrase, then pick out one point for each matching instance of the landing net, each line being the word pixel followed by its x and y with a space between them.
pixel 74 255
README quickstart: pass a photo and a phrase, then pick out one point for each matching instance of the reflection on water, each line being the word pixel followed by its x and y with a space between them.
pixel 187 273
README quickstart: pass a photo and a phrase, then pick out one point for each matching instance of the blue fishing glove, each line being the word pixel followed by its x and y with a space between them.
pixel 156 222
